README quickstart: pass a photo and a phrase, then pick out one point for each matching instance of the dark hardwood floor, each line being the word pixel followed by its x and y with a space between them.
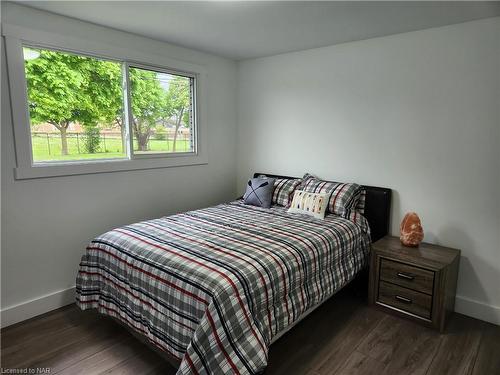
pixel 344 336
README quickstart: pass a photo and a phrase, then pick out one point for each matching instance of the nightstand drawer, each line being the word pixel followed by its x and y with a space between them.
pixel 405 275
pixel 405 299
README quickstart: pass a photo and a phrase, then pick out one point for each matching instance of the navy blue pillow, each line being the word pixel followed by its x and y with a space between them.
pixel 259 192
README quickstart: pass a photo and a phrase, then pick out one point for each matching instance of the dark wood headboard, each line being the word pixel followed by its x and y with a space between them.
pixel 377 208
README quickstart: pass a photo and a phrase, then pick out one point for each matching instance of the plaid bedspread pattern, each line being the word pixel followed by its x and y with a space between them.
pixel 212 287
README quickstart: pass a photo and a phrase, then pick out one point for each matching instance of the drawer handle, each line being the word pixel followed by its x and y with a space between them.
pixel 402 299
pixel 406 276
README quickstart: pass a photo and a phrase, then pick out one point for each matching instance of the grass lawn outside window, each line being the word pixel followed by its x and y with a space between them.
pixel 49 148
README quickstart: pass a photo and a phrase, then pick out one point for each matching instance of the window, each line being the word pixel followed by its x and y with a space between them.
pixel 162 114
pixel 75 105
pixel 83 109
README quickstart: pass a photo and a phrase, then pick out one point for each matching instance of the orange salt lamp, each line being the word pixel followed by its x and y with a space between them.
pixel 411 230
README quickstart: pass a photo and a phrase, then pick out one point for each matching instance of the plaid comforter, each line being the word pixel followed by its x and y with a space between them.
pixel 212 287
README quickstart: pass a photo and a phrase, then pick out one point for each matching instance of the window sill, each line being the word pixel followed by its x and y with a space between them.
pixel 43 170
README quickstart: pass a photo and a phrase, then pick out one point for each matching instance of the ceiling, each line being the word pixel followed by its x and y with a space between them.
pixel 245 30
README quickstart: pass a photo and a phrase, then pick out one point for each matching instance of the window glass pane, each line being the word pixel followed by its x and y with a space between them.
pixel 162 116
pixel 75 105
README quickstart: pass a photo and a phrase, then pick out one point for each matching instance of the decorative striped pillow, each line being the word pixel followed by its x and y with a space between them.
pixel 360 207
pixel 344 196
pixel 283 190
pixel 312 204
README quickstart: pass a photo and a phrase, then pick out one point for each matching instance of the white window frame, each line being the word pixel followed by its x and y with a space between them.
pixel 16 37
pixel 129 115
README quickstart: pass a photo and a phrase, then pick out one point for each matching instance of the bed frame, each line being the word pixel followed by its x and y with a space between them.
pixel 377 212
pixel 377 207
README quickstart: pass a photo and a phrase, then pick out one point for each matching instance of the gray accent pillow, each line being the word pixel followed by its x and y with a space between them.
pixel 259 192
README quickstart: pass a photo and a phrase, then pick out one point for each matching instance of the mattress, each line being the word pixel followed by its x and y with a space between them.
pixel 214 287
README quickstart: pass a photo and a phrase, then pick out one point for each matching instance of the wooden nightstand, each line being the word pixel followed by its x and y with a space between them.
pixel 416 282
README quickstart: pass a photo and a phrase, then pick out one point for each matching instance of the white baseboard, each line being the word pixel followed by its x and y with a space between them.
pixel 52 301
pixel 478 310
pixel 29 309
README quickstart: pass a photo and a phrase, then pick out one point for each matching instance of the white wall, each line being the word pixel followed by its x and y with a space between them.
pixel 417 112
pixel 46 223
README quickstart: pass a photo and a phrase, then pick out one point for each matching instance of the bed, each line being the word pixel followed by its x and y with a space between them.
pixel 213 288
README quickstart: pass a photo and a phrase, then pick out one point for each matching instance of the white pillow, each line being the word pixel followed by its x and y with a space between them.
pixel 312 204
